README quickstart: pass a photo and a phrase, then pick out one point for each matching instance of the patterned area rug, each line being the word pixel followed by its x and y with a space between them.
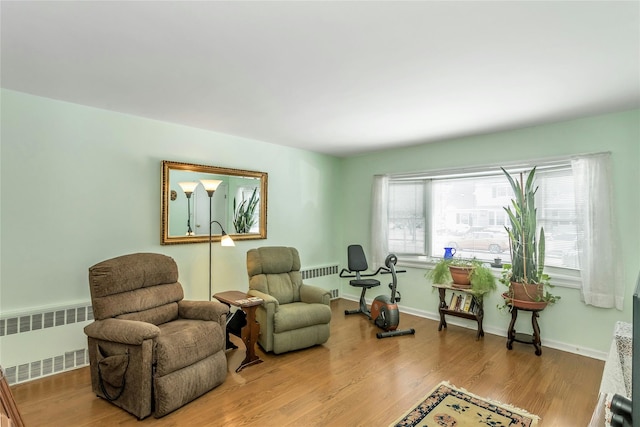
pixel 447 406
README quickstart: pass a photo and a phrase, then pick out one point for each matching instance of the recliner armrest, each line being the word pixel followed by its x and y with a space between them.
pixel 268 299
pixel 314 294
pixel 203 310
pixel 122 331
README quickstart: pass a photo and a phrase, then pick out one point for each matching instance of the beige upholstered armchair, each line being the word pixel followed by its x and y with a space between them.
pixel 294 315
pixel 149 350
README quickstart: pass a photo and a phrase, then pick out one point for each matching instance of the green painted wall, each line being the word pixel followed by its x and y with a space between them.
pixel 80 185
pixel 570 324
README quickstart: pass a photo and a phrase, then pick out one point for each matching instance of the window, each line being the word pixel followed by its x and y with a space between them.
pixel 466 212
pixel 417 216
pixel 407 217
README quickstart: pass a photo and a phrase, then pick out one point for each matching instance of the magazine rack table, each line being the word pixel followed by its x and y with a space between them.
pixel 252 329
pixel 444 309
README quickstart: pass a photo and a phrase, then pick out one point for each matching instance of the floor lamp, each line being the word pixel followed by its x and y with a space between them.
pixel 210 185
pixel 188 188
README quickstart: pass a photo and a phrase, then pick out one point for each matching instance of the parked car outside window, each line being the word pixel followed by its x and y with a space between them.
pixel 482 241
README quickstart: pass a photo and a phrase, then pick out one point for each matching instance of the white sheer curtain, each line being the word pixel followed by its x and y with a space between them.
pixel 602 285
pixel 379 220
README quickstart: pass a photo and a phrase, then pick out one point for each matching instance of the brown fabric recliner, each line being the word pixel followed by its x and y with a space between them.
pixel 150 351
pixel 293 315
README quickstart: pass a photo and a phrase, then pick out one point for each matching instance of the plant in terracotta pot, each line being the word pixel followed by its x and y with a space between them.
pixel 524 276
pixel 464 273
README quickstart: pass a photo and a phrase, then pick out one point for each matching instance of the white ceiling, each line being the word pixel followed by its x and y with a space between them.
pixel 334 77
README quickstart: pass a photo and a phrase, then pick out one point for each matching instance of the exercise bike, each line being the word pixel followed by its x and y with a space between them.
pixel 384 309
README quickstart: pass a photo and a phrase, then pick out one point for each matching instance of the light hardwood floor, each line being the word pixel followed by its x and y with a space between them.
pixel 352 380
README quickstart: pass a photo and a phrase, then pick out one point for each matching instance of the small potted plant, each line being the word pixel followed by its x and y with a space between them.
pixel 524 275
pixel 464 273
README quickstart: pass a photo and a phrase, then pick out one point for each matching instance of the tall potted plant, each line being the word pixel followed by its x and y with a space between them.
pixel 524 276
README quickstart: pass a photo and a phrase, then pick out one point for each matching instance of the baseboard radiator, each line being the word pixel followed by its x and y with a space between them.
pixel 319 271
pixel 323 271
pixel 38 320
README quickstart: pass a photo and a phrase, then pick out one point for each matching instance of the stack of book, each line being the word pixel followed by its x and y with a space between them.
pixel 465 303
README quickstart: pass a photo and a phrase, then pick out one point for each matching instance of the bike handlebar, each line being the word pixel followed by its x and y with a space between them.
pixel 380 270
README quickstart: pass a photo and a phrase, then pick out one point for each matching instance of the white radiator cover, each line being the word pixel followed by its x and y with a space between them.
pixel 43 342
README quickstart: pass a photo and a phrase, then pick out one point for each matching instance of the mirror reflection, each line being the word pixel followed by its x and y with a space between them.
pixel 192 195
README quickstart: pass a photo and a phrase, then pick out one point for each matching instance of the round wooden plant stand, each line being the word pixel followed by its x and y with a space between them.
pixel 534 308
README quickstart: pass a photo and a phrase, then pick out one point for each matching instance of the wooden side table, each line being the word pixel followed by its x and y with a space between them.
pixel 252 329
pixel 525 338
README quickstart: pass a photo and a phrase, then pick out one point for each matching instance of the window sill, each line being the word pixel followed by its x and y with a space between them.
pixel 560 277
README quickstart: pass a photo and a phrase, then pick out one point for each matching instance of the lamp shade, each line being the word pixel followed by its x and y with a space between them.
pixel 188 187
pixel 210 185
pixel 226 240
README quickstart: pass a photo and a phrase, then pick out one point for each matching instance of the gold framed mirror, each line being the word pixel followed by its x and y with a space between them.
pixel 237 205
